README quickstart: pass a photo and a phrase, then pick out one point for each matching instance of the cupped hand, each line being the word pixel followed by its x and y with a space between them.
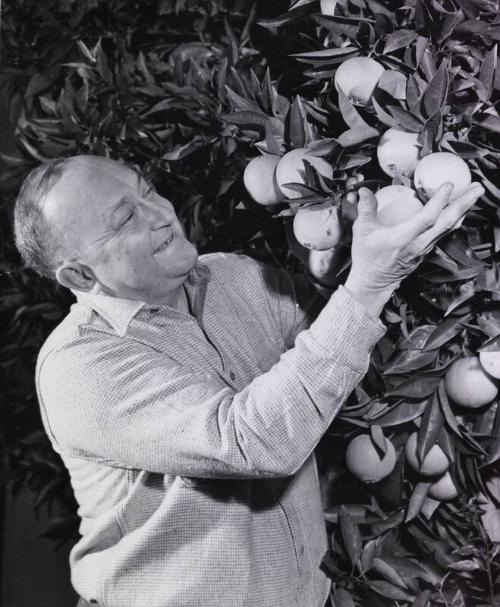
pixel 382 256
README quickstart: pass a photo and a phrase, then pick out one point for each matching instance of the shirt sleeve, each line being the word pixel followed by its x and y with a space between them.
pixel 294 299
pixel 126 405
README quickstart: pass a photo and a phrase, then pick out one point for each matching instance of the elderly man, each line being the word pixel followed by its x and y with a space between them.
pixel 186 395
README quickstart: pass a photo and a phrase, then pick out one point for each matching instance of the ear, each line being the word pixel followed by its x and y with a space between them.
pixel 75 275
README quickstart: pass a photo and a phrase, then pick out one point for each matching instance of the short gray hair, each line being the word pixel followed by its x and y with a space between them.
pixel 36 239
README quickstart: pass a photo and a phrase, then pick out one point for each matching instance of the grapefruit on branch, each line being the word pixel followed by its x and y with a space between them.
pixel 260 179
pixel 438 168
pixel 318 226
pixel 396 203
pixel 290 169
pixel 397 152
pixel 468 385
pixel 490 361
pixel 444 488
pixel 365 462
pixel 357 78
pixel 435 461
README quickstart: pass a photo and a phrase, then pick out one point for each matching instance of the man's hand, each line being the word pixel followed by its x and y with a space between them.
pixel 382 256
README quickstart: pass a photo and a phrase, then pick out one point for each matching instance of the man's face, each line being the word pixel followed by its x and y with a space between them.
pixel 117 226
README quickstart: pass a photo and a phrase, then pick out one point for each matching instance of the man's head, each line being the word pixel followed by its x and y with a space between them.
pixel 96 226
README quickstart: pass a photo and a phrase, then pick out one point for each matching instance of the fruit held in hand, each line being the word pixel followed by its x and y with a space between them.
pixel 435 461
pixel 397 153
pixel 260 179
pixel 468 385
pixel 318 226
pixel 365 461
pixel 435 169
pixel 396 203
pixel 357 78
pixel 443 489
pixel 490 361
pixel 290 169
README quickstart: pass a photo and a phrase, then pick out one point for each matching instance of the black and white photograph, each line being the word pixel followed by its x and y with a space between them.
pixel 249 303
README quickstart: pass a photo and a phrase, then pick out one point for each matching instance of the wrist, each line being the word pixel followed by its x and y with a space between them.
pixel 371 298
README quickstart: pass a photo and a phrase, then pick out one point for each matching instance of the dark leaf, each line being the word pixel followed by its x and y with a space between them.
pixel 435 95
pixel 378 439
pixel 401 414
pixel 356 136
pixel 417 500
pixel 350 536
pixel 418 387
pixel 342 598
pixel 446 331
pixel 389 591
pixel 297 119
pixel 350 115
pixel 430 427
pixel 399 39
pixel 487 74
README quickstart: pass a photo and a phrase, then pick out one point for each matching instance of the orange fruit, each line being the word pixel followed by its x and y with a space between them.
pixel 327 7
pixel 435 169
pixel 397 153
pixel 357 78
pixel 435 462
pixel 290 169
pixel 396 203
pixel 490 361
pixel 363 460
pixel 318 226
pixel 260 179
pixel 443 489
pixel 468 384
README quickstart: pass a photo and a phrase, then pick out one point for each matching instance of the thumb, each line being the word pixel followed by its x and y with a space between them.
pixel 367 205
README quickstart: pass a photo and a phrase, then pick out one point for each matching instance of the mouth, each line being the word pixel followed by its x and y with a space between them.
pixel 165 244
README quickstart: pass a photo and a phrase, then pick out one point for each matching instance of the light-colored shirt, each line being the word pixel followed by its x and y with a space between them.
pixel 189 438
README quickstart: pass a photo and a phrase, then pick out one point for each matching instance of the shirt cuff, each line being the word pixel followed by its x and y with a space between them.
pixel 346 321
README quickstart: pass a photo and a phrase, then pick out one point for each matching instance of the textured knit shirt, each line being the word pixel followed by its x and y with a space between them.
pixel 189 437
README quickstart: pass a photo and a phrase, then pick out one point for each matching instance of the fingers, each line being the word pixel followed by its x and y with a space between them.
pixel 452 216
pixel 367 205
pixel 428 216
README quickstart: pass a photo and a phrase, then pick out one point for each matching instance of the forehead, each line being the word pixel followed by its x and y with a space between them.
pixel 89 185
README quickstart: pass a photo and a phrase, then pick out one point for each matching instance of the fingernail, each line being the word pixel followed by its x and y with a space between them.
pixel 448 187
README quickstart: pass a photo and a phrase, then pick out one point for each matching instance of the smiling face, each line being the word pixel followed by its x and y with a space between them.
pixel 120 237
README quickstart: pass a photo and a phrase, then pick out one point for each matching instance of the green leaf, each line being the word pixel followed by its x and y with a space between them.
pixel 350 115
pixel 355 136
pixel 399 39
pixel 350 536
pixel 389 591
pixel 446 410
pixel 430 427
pixel 378 439
pixel 445 332
pixel 296 125
pixel 418 387
pixel 380 565
pixel 326 55
pixel 342 598
pixel 401 414
pixel 437 91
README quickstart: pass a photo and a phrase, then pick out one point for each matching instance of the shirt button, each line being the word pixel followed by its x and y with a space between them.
pixel 154 310
pixel 231 375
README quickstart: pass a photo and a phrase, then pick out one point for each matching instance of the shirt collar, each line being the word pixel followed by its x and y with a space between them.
pixel 119 312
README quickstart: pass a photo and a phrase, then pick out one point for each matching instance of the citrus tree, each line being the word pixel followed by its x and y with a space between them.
pixel 252 120
pixel 400 97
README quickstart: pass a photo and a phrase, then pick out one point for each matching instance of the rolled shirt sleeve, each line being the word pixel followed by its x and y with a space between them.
pixel 137 408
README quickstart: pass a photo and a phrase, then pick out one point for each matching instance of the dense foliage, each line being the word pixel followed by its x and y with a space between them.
pixel 189 92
